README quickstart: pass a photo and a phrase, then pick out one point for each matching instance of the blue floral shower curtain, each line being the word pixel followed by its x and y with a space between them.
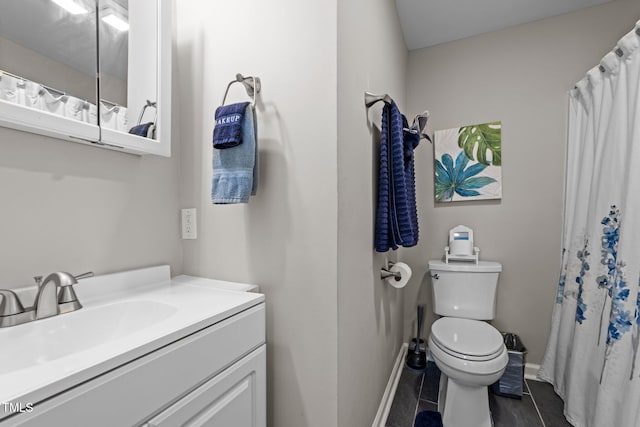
pixel 592 353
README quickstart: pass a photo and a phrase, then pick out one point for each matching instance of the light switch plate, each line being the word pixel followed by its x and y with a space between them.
pixel 189 229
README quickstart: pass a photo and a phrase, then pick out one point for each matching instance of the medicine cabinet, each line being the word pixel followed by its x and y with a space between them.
pixel 91 71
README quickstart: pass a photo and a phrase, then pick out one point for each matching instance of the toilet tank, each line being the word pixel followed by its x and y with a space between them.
pixel 465 290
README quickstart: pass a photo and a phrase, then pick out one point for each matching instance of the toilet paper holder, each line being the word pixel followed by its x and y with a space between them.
pixel 384 272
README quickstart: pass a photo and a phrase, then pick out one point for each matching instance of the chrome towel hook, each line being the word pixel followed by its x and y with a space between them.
pixel 251 84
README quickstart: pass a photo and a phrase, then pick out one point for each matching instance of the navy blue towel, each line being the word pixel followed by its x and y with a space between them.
pixel 411 141
pixel 428 419
pixel 227 132
pixel 143 130
pixel 396 214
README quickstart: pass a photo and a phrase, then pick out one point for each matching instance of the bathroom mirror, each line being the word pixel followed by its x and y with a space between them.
pixel 133 87
pixel 113 36
pixel 48 68
pixel 85 70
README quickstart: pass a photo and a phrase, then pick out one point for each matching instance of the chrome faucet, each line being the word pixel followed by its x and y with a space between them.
pixel 10 303
pixel 55 296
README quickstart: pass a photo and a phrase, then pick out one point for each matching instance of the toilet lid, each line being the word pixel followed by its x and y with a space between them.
pixel 466 338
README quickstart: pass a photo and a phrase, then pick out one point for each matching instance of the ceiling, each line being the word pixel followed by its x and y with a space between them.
pixel 430 22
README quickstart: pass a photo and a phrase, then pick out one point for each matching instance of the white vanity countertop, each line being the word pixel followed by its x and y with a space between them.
pixel 124 316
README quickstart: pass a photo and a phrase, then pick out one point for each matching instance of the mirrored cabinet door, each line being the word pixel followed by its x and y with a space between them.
pixel 48 67
pixel 113 25
pixel 130 94
pixel 92 71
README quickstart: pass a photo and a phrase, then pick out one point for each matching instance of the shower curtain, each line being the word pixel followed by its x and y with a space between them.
pixel 592 352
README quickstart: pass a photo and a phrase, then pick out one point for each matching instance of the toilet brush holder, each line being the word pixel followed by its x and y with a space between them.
pixel 422 348
pixel 417 359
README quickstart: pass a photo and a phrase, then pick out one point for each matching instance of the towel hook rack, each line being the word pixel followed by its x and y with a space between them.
pixel 370 99
pixel 251 84
pixel 419 121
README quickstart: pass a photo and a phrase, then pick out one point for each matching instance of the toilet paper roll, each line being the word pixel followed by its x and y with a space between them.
pixel 405 275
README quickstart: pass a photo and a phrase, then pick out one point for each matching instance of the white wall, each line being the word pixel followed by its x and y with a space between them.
pixel 521 76
pixel 71 207
pixel 285 239
pixel 371 57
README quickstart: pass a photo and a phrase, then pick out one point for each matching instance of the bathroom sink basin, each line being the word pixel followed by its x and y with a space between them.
pixel 72 333
pixel 124 317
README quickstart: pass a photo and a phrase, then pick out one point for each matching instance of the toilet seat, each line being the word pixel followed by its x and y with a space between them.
pixel 452 363
pixel 467 339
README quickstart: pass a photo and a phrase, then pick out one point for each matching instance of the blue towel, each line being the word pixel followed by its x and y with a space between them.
pixel 143 130
pixel 411 141
pixel 235 169
pixel 396 215
pixel 227 132
pixel 428 419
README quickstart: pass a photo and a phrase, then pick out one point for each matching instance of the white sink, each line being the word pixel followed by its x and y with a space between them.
pixel 124 316
pixel 46 340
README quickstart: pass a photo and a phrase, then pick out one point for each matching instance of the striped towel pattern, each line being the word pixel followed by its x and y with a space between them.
pixel 396 214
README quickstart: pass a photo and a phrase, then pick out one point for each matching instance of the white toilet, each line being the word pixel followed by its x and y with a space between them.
pixel 469 351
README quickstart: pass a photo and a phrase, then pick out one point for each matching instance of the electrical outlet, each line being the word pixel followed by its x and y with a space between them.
pixel 189 230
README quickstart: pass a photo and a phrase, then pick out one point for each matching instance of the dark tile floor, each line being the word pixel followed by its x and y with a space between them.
pixel 416 392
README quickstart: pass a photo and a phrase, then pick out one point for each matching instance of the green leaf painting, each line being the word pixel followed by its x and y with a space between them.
pixel 468 163
pixel 487 138
pixel 458 178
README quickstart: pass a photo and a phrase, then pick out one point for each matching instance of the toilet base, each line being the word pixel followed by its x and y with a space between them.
pixel 462 405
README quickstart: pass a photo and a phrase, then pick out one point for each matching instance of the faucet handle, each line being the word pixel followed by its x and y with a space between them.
pixel 10 303
pixel 38 280
pixel 67 298
pixel 67 294
pixel 84 275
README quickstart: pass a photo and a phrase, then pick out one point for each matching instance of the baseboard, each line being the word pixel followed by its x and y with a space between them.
pixel 531 371
pixel 390 391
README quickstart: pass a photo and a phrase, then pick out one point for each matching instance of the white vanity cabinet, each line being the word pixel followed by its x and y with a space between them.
pixel 233 398
pixel 214 375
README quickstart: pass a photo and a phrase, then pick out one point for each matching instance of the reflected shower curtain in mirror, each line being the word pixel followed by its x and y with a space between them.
pixel 592 352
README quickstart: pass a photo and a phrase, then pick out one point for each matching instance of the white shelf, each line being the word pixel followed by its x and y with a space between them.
pixel 456 257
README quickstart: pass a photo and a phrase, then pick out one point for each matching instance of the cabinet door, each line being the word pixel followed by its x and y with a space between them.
pixel 236 397
pixel 135 74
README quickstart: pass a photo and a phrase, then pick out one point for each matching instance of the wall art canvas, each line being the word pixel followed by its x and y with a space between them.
pixel 468 163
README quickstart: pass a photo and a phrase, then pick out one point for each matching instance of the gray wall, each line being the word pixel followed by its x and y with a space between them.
pixel 370 319
pixel 521 76
pixel 285 239
pixel 71 207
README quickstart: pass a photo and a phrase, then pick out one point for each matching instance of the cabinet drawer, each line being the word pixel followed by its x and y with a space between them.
pixel 236 397
pixel 135 391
